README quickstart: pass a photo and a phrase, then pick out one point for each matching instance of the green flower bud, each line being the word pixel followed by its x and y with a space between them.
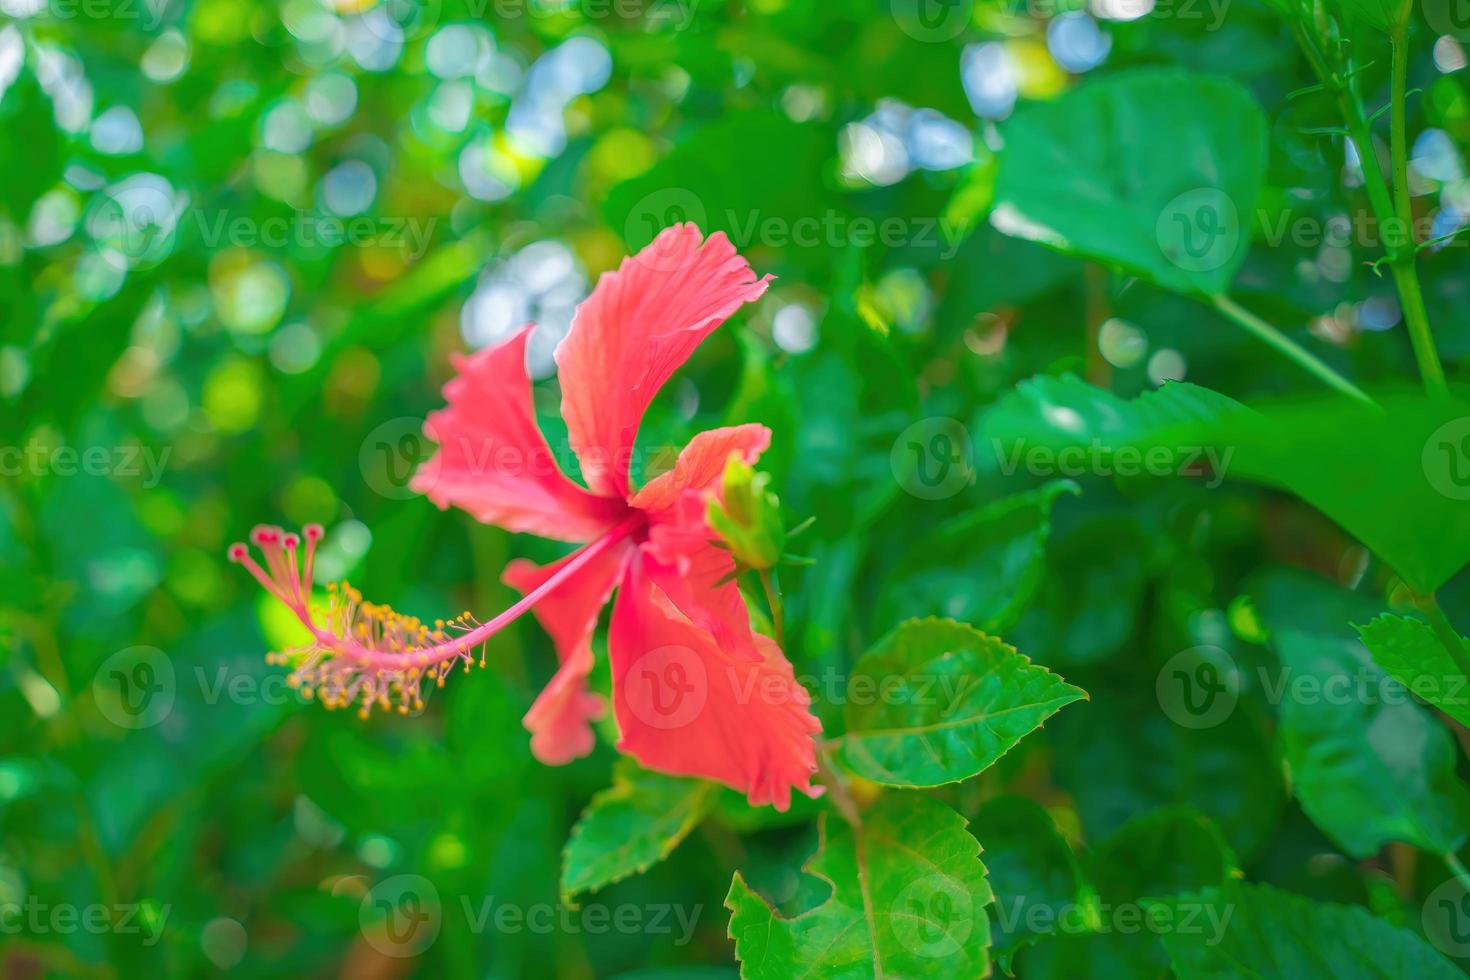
pixel 747 516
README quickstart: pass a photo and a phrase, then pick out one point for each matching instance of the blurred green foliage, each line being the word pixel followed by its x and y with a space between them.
pixel 239 240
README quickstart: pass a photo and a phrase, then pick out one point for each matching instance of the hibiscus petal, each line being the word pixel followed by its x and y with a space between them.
pixel 638 326
pixel 702 463
pixel 559 719
pixel 493 461
pixel 687 707
pixel 696 576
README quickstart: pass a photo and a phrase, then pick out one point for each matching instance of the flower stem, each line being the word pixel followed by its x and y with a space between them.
pixel 1263 331
pixel 841 798
pixel 1405 273
pixel 773 599
pixel 1457 868
pixel 1395 224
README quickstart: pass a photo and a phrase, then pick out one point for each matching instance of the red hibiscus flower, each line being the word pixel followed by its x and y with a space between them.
pixel 696 691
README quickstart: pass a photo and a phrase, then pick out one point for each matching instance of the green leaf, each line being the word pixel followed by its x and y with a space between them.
pixel 1409 650
pixel 1368 767
pixel 1163 852
pixel 1094 588
pixel 1093 955
pixel 1368 763
pixel 1035 876
pixel 1258 931
pixel 908 894
pixel 1229 772
pixel 757 176
pixel 630 827
pixel 938 701
pixel 1392 475
pixel 34 163
pixel 1153 171
pixel 983 567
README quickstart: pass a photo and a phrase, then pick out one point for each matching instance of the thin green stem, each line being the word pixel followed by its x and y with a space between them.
pixel 837 787
pixel 1453 643
pixel 1457 868
pixel 1405 273
pixel 773 599
pixel 1395 223
pixel 1263 331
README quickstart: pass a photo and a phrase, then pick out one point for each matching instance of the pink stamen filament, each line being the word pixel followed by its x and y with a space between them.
pixel 293 589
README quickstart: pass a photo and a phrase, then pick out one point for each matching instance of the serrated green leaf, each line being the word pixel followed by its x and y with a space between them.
pixel 1389 474
pixel 938 701
pixel 983 567
pixel 1153 171
pixel 1258 931
pixel 908 899
pixel 1413 655
pixel 631 826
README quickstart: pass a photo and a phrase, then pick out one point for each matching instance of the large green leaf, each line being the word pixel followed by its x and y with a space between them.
pixel 757 176
pixel 631 826
pixel 1258 931
pixel 1409 650
pixel 1153 171
pixel 908 900
pixel 982 567
pixel 938 701
pixel 1396 476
